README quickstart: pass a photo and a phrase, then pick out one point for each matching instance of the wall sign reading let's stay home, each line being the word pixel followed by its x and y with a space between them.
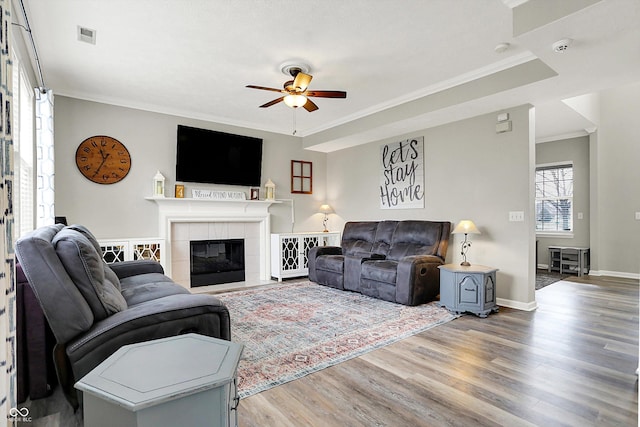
pixel 402 174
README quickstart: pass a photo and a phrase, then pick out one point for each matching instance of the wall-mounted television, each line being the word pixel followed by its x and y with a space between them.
pixel 212 157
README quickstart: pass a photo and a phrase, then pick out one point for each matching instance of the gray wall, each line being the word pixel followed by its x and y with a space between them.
pixel 120 210
pixel 615 184
pixel 470 173
pixel 575 150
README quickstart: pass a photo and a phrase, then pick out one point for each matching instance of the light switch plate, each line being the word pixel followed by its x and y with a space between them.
pixel 516 216
pixel 638 216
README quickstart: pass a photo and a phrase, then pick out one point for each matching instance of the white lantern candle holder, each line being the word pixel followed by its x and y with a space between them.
pixel 270 190
pixel 158 185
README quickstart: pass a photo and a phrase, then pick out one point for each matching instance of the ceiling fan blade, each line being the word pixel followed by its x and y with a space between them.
pixel 310 106
pixel 274 102
pixel 327 93
pixel 265 88
pixel 301 81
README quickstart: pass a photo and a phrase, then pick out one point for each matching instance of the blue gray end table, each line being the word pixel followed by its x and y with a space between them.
pixel 468 289
pixel 186 380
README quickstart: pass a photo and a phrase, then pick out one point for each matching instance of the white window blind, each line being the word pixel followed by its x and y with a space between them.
pixel 554 198
pixel 24 174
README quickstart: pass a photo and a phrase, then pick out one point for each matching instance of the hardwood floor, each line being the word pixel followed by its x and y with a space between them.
pixel 571 362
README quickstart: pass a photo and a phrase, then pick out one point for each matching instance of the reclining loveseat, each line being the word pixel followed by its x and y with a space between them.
pixel 94 309
pixel 395 261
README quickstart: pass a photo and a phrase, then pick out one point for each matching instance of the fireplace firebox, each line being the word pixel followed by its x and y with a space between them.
pixel 214 262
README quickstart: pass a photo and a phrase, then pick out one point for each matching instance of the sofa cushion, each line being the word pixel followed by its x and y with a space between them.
pixel 358 237
pixel 96 282
pixel 110 275
pixel 415 238
pixel 403 249
pixel 333 263
pixel 384 237
pixel 149 286
pixel 86 233
pixel 384 271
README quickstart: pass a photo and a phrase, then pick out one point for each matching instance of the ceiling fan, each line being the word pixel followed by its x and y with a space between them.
pixel 296 93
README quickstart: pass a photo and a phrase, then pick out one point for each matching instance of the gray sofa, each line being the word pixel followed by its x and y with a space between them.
pixel 93 308
pixel 395 261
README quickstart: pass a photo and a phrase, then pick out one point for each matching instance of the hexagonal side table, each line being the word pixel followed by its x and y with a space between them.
pixel 468 288
pixel 184 380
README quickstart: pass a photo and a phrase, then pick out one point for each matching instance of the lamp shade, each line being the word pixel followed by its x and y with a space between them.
pixel 326 209
pixel 295 101
pixel 465 227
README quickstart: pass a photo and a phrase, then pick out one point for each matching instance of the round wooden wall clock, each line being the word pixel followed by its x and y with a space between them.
pixel 103 159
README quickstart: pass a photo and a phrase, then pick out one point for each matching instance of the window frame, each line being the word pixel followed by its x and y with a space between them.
pixel 568 234
pixel 24 143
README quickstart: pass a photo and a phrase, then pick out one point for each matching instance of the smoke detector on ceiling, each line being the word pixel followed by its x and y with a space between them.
pixel 562 46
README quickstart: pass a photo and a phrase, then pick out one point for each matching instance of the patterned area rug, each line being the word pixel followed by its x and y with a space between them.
pixel 294 329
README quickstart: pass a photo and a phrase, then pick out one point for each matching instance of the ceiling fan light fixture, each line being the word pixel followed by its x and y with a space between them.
pixel 295 101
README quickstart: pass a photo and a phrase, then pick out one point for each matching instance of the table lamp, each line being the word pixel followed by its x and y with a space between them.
pixel 326 210
pixel 465 227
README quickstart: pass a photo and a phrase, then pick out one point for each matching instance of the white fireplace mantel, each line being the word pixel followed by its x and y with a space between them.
pixel 172 210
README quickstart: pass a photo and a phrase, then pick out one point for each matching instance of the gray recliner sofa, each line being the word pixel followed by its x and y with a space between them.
pixel 395 261
pixel 93 308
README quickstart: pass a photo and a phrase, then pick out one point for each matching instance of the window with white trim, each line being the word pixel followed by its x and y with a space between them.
pixel 24 156
pixel 554 198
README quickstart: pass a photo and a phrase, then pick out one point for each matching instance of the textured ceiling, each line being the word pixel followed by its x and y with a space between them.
pixel 194 58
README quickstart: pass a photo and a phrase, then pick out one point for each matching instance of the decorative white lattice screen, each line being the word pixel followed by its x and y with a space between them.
pixel 119 250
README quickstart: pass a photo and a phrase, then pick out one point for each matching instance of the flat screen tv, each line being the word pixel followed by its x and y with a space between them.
pixel 211 157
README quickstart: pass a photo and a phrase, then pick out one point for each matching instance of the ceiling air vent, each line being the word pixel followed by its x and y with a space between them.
pixel 86 35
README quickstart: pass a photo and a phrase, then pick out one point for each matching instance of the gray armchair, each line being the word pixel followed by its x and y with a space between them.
pixel 93 308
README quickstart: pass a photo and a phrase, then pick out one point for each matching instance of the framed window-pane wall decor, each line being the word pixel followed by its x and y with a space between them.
pixel 301 177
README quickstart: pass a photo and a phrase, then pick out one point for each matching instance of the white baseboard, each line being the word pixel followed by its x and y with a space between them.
pixel 620 274
pixel 529 306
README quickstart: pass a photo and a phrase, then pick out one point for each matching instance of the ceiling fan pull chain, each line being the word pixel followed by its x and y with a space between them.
pixel 294 121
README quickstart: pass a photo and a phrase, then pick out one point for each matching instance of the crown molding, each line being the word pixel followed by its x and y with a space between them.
pixel 496 67
pixel 570 135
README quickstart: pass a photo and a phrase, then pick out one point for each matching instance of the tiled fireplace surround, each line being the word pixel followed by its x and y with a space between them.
pixel 184 232
pixel 183 220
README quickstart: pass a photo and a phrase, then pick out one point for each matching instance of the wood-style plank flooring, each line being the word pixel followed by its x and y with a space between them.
pixel 571 362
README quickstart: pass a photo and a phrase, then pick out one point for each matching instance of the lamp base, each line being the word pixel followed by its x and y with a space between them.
pixel 465 263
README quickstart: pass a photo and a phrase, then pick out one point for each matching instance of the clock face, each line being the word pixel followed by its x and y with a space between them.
pixel 103 159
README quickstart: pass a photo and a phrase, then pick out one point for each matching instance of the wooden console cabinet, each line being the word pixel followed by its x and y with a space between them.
pixel 471 289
